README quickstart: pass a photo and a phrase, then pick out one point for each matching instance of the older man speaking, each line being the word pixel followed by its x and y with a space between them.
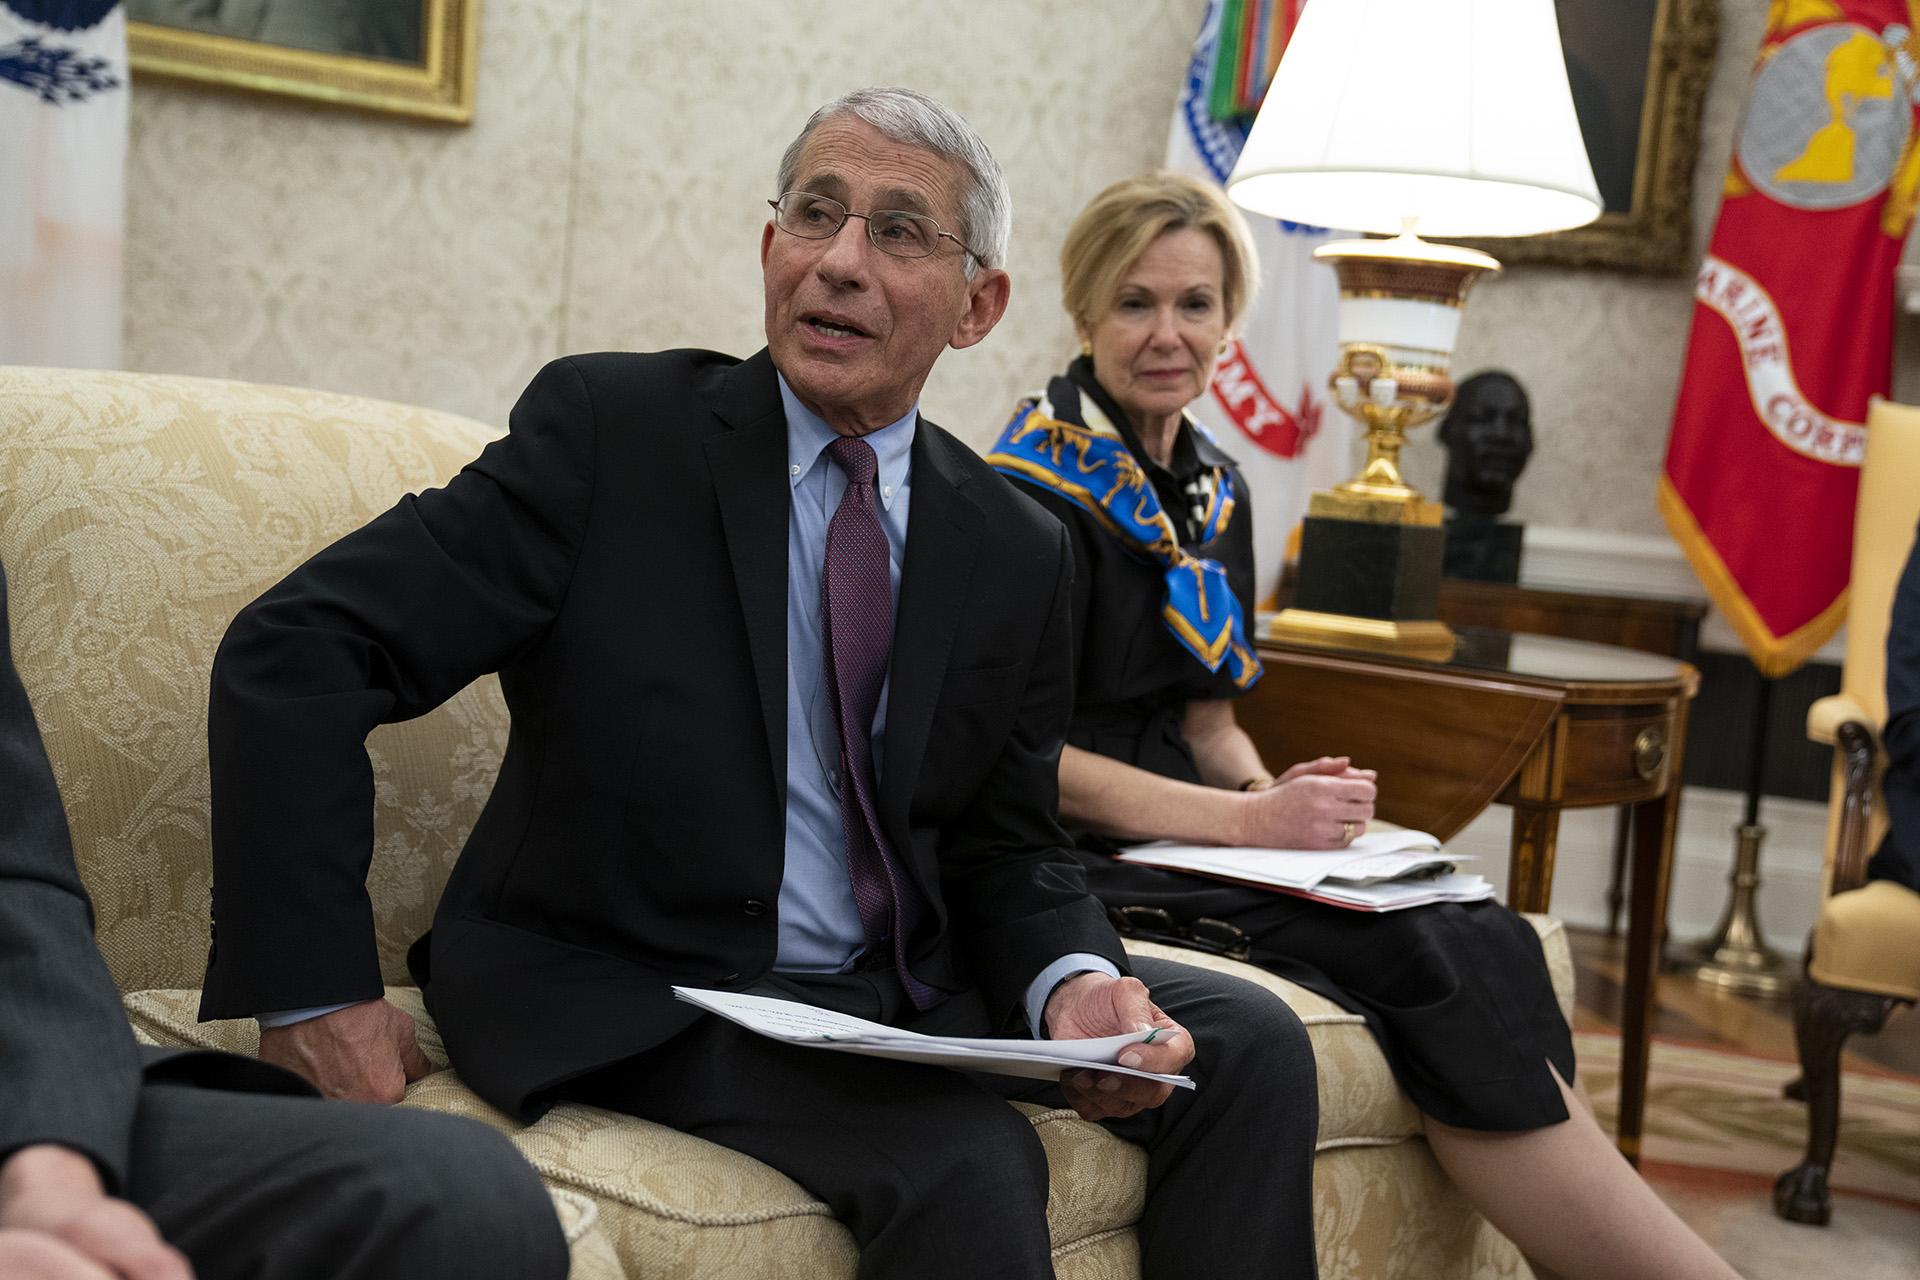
pixel 788 671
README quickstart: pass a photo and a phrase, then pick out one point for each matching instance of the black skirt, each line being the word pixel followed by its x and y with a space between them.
pixel 1456 993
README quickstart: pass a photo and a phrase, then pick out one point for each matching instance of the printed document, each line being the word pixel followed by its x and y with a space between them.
pixel 816 1028
pixel 1385 869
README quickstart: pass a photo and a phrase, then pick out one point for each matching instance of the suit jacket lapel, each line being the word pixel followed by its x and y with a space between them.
pixel 749 470
pixel 942 528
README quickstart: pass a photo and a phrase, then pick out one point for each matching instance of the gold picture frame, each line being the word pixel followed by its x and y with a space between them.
pixel 438 87
pixel 1654 232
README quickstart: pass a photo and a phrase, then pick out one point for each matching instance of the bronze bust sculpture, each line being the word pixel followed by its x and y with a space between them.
pixel 1489 436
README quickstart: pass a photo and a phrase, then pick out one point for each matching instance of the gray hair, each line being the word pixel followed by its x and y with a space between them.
pixel 914 120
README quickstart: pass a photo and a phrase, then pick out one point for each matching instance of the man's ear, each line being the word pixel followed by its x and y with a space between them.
pixel 987 295
pixel 766 244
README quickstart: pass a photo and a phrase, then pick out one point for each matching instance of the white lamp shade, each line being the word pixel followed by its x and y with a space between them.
pixel 1455 113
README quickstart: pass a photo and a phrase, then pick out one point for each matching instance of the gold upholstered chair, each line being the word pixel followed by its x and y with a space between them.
pixel 1864 955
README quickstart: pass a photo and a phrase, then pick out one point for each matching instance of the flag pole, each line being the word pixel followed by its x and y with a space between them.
pixel 1735 957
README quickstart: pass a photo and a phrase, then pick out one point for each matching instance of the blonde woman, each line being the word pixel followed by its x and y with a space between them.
pixel 1156 270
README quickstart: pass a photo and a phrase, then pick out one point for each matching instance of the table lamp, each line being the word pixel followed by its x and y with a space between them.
pixel 1404 117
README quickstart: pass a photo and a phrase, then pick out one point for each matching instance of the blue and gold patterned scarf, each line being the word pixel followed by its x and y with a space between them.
pixel 1087 462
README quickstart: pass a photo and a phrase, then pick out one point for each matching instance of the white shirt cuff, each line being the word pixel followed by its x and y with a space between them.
pixel 287 1017
pixel 1052 976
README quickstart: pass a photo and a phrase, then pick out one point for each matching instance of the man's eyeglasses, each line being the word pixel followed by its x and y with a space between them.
pixel 1202 933
pixel 893 231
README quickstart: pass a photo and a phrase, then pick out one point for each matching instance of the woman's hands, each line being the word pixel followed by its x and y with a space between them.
pixel 1317 804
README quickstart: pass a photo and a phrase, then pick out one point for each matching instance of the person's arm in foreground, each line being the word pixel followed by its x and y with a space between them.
pixel 69 1072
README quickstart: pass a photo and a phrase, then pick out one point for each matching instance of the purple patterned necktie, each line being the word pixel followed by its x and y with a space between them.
pixel 856 604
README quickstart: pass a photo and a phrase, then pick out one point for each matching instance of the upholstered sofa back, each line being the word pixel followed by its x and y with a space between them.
pixel 138 514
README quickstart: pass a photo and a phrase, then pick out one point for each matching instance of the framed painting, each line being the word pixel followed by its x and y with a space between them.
pixel 1639 71
pixel 410 57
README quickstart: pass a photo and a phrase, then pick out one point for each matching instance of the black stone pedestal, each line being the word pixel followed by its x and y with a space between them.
pixel 1364 569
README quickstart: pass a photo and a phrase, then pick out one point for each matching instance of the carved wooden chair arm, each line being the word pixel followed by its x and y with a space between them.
pixel 1858 746
pixel 1827 714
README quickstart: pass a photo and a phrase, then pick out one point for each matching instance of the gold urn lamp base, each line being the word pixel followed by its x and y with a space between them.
pixel 1371 549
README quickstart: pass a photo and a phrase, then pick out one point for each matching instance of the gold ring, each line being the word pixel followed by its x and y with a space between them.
pixel 1346 832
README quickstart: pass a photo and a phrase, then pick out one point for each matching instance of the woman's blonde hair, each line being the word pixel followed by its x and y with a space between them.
pixel 1118 224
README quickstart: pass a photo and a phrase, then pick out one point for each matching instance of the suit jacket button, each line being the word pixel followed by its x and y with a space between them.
pixel 754 907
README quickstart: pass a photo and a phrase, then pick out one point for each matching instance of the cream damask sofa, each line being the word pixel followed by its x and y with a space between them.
pixel 138 513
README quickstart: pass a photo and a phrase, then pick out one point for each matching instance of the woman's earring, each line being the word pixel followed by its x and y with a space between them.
pixel 1224 344
pixel 1086 348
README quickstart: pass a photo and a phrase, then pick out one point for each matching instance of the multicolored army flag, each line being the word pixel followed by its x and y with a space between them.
pixel 63 160
pixel 1268 403
pixel 1793 322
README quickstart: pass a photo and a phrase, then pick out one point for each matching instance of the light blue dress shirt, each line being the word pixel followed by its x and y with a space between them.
pixel 819 926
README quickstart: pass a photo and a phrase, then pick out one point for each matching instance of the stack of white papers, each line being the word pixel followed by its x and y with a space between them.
pixel 1382 870
pixel 816 1028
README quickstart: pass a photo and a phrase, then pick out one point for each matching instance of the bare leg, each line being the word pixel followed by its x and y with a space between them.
pixel 1568 1199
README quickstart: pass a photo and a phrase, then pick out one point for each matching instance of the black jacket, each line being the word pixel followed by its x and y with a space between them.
pixel 1899 855
pixel 620 559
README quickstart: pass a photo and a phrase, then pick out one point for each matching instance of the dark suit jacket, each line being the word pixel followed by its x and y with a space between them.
pixel 70 1072
pixel 620 559
pixel 1898 857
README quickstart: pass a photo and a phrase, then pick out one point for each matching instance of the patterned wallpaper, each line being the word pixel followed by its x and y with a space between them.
pixel 608 196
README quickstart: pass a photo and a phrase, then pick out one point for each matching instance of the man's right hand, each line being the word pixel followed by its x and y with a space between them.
pixel 363 1053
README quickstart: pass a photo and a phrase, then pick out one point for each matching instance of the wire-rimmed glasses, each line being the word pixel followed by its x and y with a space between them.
pixel 895 232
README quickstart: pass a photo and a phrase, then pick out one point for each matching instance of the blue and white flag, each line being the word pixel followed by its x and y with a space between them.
pixel 1268 405
pixel 63 163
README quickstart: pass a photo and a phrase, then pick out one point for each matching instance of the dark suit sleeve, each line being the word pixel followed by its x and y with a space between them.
pixel 382 626
pixel 1898 857
pixel 69 1071
pixel 1017 897
pixel 1903 672
pixel 1079 529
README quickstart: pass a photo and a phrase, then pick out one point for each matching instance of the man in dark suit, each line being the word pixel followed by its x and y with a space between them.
pixel 789 675
pixel 156 1164
pixel 1898 857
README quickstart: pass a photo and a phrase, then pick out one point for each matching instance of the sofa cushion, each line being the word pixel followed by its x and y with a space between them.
pixel 673 1204
pixel 1868 939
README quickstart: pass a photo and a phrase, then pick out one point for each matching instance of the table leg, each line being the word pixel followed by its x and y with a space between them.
pixel 1617 873
pixel 1536 832
pixel 1653 828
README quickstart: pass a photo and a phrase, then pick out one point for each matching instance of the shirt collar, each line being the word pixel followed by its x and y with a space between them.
pixel 808 436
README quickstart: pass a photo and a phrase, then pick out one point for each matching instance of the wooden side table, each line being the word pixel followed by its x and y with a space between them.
pixel 1538 723
pixel 1656 624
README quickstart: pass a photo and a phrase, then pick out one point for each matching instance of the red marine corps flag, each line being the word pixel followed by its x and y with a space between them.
pixel 1793 322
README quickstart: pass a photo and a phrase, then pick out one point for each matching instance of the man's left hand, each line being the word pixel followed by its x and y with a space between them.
pixel 1090 1005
